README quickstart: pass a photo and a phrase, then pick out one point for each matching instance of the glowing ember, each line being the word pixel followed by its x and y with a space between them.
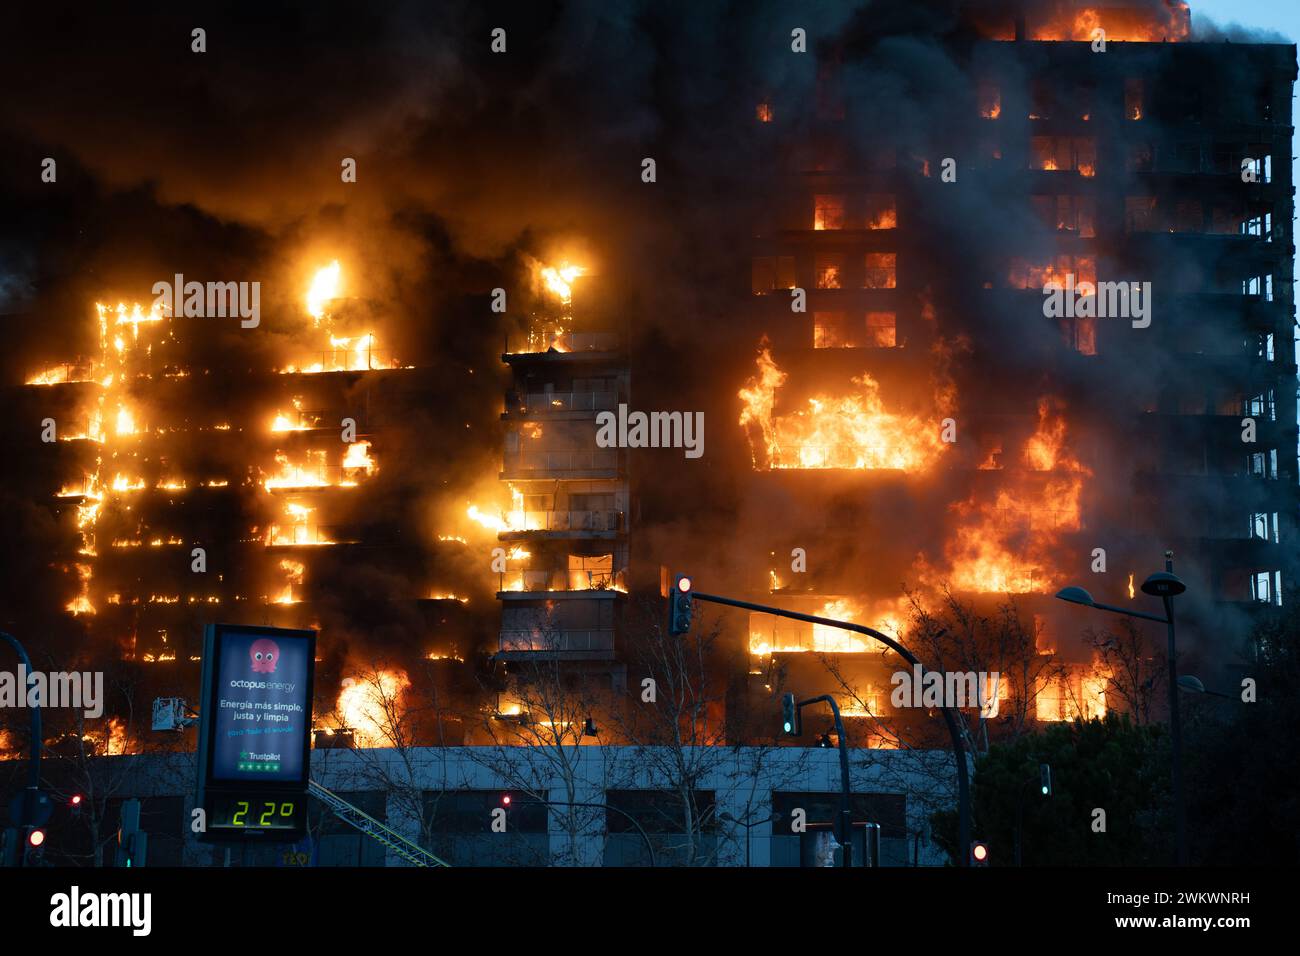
pixel 357 461
pixel 81 603
pixel 324 286
pixel 311 474
pixel 1012 544
pixel 293 571
pixel 1068 20
pixel 558 280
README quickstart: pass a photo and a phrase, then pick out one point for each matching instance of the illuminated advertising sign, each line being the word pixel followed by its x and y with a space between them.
pixel 255 731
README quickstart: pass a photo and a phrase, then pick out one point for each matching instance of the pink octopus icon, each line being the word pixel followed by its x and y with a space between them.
pixel 264 653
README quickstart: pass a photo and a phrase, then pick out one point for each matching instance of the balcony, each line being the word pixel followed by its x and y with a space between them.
pixel 561 580
pixel 556 342
pixel 556 404
pixel 584 463
pixel 584 644
pixel 564 523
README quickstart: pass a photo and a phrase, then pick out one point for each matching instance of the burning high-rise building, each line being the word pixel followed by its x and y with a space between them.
pixel 977 300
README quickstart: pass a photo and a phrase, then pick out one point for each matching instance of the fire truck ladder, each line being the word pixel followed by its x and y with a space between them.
pixel 360 820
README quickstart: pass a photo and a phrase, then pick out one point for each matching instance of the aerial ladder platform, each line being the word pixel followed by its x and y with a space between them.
pixel 358 819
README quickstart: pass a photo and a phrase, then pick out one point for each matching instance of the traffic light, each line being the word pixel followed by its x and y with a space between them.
pixel 979 853
pixel 505 799
pixel 790 715
pixel 679 605
pixel 34 847
pixel 1045 779
pixel 132 842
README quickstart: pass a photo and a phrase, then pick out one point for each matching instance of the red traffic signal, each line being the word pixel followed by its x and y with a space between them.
pixel 505 799
pixel 679 605
pixel 979 853
pixel 74 800
pixel 36 837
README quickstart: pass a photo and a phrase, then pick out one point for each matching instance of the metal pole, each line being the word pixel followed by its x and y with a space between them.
pixel 36 745
pixel 958 746
pixel 1176 741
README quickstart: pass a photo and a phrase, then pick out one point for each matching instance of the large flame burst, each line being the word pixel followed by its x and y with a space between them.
pixel 844 431
pixel 1010 545
pixel 324 286
pixel 368 705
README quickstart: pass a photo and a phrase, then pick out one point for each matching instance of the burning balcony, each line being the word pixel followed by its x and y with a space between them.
pixel 553 569
pixel 573 626
pixel 559 404
pixel 557 449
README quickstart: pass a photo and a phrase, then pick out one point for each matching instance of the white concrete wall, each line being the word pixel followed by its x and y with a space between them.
pixel 738 776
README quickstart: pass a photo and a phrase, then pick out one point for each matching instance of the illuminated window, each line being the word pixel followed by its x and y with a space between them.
pixel 881 331
pixel 830 270
pixel 880 273
pixel 881 212
pixel 1133 99
pixel 1078 153
pixel 1036 275
pixel 1080 334
pixel 1069 213
pixel 990 100
pixel 831 331
pixel 764 112
pixel 828 212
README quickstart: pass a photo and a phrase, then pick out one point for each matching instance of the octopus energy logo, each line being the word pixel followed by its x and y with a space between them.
pixel 262 655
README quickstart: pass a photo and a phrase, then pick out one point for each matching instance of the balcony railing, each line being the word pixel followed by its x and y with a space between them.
pixel 557 641
pixel 567 521
pixel 561 579
pixel 544 340
pixel 538 403
pixel 600 459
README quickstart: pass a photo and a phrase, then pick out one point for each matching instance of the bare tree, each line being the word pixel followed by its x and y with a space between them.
pixel 539 733
pixel 389 754
pixel 1131 665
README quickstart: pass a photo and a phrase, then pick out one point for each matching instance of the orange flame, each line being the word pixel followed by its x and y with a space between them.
pixel 850 431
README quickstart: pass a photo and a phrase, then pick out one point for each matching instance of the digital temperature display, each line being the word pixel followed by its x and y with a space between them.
pixel 254 757
pixel 257 812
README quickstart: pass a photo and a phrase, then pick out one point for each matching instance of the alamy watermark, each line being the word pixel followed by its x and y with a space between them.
pixel 133 911
pixel 77 690
pixel 197 300
pixel 918 688
pixel 1103 300
pixel 626 429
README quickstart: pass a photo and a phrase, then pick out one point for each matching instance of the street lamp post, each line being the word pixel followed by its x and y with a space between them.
pixel 33 792
pixel 1166 586
pixel 846 812
pixel 949 716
